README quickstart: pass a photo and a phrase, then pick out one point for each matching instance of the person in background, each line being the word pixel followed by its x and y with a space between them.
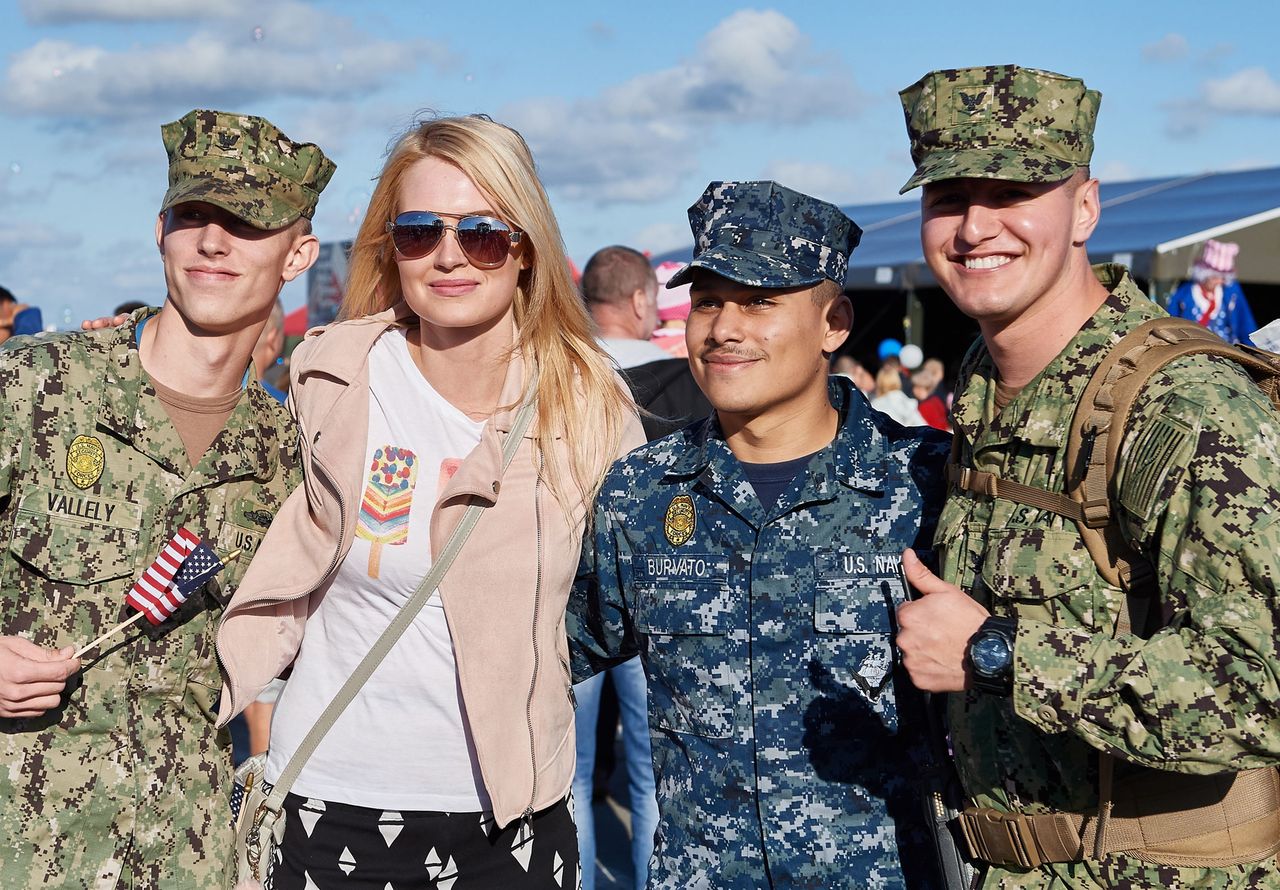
pixel 621 293
pixel 926 386
pixel 848 366
pixel 673 309
pixel 618 288
pixel 459 309
pixel 891 400
pixel 266 352
pixel 17 318
pixel 1213 298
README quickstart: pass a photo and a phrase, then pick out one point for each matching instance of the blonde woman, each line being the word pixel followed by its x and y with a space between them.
pixel 456 757
pixel 891 400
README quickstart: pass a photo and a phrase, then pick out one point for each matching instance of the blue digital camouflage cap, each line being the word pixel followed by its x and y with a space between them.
pixel 762 234
pixel 244 165
pixel 998 122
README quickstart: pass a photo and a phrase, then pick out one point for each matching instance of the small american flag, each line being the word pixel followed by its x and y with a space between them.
pixel 183 565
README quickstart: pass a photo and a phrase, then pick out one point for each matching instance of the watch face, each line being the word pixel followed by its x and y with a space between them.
pixel 990 655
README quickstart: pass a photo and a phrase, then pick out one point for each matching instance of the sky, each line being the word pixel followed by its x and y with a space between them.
pixel 630 108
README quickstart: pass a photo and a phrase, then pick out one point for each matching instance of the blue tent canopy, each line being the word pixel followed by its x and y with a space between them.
pixel 1155 226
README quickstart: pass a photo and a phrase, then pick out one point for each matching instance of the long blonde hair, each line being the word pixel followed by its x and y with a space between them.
pixel 579 396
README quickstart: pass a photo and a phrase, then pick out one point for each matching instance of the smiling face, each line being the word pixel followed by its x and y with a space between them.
pixel 758 351
pixel 444 288
pixel 1002 249
pixel 223 275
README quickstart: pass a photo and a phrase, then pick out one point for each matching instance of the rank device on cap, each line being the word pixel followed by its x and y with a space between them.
pixel 244 165
pixel 762 234
pixel 998 122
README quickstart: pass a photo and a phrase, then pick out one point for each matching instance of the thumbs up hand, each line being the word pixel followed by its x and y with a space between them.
pixel 934 630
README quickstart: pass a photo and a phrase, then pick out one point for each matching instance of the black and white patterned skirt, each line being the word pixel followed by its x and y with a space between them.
pixel 334 845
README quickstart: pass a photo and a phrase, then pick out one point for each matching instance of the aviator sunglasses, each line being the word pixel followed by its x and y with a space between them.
pixel 485 240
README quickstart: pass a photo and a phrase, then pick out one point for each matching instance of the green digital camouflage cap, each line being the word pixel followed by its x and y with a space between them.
pixel 762 234
pixel 244 165
pixel 998 122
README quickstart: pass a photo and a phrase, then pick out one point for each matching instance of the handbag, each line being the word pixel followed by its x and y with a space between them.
pixel 257 808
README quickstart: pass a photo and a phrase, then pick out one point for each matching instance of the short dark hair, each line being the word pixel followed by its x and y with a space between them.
pixel 6 295
pixel 614 273
pixel 825 291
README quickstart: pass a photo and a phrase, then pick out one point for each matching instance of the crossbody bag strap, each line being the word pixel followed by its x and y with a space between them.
pixel 408 612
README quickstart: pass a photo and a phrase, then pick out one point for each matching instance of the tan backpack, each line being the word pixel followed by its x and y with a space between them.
pixel 1093 446
pixel 1169 818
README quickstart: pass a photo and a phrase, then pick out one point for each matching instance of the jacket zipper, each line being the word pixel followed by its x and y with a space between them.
pixel 342 507
pixel 342 519
pixel 527 816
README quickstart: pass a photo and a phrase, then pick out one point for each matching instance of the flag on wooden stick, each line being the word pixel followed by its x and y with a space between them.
pixel 183 565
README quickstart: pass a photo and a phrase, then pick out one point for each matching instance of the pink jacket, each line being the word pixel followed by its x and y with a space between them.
pixel 504 597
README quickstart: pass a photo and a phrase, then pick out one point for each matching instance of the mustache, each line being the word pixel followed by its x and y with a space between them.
pixel 729 352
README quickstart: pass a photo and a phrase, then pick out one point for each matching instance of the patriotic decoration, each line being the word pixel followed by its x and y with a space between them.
pixel 384 511
pixel 181 568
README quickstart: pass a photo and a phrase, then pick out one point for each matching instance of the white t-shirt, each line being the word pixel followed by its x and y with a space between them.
pixel 403 742
pixel 632 353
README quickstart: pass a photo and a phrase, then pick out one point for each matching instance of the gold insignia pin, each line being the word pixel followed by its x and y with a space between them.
pixel 85 460
pixel 680 520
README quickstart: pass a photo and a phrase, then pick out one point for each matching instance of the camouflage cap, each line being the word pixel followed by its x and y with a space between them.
pixel 998 122
pixel 762 234
pixel 244 165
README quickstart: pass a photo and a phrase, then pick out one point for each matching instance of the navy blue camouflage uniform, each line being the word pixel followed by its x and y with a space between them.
pixel 785 734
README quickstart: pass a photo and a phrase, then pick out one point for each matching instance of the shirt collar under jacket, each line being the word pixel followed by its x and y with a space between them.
pixel 1041 413
pixel 855 458
pixel 129 407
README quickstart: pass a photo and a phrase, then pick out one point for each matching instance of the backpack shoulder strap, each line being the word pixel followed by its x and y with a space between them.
pixel 1101 418
pixel 1093 447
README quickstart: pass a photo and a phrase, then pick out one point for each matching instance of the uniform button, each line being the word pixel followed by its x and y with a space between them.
pixel 496 486
pixel 1047 713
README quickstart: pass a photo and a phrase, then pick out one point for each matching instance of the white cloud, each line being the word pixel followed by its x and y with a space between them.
pixel 294 50
pixel 825 181
pixel 754 64
pixel 662 237
pixel 1248 91
pixel 1117 171
pixel 635 141
pixel 587 153
pixel 65 11
pixel 23 236
pixel 1168 48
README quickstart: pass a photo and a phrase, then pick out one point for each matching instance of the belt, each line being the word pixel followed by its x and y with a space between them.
pixel 1159 817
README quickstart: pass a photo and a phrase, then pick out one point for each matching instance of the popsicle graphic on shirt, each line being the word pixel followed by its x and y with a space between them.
pixel 388 497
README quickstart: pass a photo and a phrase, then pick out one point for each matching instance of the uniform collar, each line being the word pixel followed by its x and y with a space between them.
pixel 130 408
pixel 1042 411
pixel 855 458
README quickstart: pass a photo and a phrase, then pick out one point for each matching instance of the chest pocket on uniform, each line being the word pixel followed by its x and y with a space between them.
pixel 76 538
pixel 855 597
pixel 695 670
pixel 1040 574
pixel 246 526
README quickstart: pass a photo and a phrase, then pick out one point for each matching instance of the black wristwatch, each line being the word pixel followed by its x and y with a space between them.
pixel 991 655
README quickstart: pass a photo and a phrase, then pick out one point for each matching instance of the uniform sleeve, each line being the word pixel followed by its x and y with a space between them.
pixel 12 386
pixel 598 620
pixel 1199 490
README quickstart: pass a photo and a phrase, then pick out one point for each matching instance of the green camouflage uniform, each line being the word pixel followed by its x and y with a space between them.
pixel 1198 482
pixel 126 783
